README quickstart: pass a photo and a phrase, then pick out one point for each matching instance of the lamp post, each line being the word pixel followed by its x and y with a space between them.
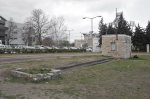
pixel 91 21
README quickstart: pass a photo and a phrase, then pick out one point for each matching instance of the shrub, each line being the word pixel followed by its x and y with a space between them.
pixel 135 56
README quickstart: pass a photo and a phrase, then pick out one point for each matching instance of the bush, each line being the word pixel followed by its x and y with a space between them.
pixel 2 51
pixel 135 56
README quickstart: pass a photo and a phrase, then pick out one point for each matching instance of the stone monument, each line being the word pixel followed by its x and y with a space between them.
pixel 116 45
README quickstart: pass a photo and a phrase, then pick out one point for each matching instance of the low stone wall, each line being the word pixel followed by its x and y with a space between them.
pixel 52 74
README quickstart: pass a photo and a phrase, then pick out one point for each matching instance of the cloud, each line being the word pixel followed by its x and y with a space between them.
pixel 18 9
pixel 139 12
pixel 74 10
pixel 105 6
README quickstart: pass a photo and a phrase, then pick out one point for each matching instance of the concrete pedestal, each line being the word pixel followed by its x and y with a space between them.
pixel 147 48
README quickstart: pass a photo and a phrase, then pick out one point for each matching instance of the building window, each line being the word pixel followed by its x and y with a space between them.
pixel 113 46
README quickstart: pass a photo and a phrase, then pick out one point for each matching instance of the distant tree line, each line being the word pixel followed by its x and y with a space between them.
pixel 140 37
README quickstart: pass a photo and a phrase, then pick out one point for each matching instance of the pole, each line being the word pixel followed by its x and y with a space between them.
pixel 91 26
pixel 69 35
pixel 116 27
pixel 81 35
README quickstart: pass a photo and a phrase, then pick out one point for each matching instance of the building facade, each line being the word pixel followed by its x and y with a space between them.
pixel 90 41
pixel 80 43
pixel 120 48
pixel 20 35
pixel 16 35
pixel 2 30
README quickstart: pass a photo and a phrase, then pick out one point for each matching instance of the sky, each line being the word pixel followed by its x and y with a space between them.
pixel 73 12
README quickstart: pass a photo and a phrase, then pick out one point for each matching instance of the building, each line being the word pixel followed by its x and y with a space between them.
pixel 80 44
pixel 96 47
pixel 90 41
pixel 2 29
pixel 20 36
pixel 17 35
pixel 120 48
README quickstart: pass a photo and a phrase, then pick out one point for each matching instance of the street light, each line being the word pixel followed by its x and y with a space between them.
pixel 91 21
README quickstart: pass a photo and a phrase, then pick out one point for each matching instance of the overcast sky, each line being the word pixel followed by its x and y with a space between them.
pixel 74 10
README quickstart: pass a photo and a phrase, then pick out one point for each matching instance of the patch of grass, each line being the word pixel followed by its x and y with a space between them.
pixel 136 57
pixel 18 80
pixel 50 62
pixel 36 70
pixel 123 79
pixel 72 91
pixel 3 96
pixel 1 93
pixel 120 79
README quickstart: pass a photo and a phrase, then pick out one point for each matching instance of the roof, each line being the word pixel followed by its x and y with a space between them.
pixel 93 35
pixel 114 35
pixel 3 18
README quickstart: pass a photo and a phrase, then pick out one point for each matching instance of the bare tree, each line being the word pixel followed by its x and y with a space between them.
pixel 12 30
pixel 40 24
pixel 58 29
pixel 48 41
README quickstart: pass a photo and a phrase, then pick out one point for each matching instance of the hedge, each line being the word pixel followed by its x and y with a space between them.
pixel 40 50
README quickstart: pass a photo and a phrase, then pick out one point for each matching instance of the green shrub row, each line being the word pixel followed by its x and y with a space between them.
pixel 40 50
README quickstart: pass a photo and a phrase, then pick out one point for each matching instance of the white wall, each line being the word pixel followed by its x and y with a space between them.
pixel 17 35
pixel 96 47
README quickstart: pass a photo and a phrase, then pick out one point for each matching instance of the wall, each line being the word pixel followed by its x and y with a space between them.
pixel 96 47
pixel 92 41
pixel 17 38
pixel 79 43
pixel 2 29
pixel 122 46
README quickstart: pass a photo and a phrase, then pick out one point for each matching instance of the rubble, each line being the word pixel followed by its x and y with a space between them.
pixel 21 73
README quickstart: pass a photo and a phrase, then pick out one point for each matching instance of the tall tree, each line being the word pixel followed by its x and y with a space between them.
pixel 48 41
pixel 12 30
pixel 110 29
pixel 139 39
pixel 40 23
pixel 64 43
pixel 58 29
pixel 102 30
pixel 148 32
pixel 123 27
